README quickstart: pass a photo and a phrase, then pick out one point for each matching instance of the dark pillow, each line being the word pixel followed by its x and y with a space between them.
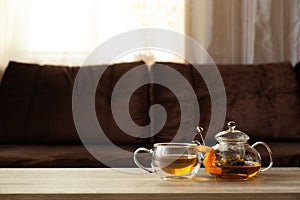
pixel 164 96
pixel 246 102
pixel 282 92
pixel 36 104
pixel 263 100
pixel 243 84
pixel 138 105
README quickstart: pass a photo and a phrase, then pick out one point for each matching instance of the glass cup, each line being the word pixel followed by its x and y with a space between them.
pixel 172 161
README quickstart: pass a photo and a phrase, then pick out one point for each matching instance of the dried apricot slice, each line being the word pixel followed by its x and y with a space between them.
pixel 209 163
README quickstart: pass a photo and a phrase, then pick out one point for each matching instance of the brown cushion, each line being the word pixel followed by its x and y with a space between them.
pixel 246 103
pixel 138 105
pixel 36 104
pixel 165 97
pixel 282 93
pixel 262 99
pixel 243 85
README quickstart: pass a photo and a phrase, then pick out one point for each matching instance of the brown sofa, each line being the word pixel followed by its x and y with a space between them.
pixel 37 127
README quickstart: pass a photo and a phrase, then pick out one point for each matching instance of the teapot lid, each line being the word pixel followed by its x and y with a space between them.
pixel 231 135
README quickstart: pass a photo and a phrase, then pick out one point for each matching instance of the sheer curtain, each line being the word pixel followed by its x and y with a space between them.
pixel 246 31
pixel 66 31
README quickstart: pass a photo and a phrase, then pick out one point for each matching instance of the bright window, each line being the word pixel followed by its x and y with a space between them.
pixel 73 27
pixel 59 26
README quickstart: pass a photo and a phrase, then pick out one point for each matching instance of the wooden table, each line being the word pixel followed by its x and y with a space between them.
pixel 93 183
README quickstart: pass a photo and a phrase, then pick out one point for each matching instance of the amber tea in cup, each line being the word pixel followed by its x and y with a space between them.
pixel 176 164
pixel 172 161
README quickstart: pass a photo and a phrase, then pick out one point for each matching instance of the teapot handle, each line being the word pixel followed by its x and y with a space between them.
pixel 137 162
pixel 270 154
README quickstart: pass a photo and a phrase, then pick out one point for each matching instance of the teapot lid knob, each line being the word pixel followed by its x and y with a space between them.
pixel 231 135
pixel 231 125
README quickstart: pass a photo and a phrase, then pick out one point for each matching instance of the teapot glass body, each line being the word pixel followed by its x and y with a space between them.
pixel 233 157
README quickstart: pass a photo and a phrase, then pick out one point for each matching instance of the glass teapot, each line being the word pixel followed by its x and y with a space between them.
pixel 232 157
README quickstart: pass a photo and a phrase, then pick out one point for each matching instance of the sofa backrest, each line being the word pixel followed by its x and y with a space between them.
pixel 36 103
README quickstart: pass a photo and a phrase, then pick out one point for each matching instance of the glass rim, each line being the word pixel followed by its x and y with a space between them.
pixel 175 145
